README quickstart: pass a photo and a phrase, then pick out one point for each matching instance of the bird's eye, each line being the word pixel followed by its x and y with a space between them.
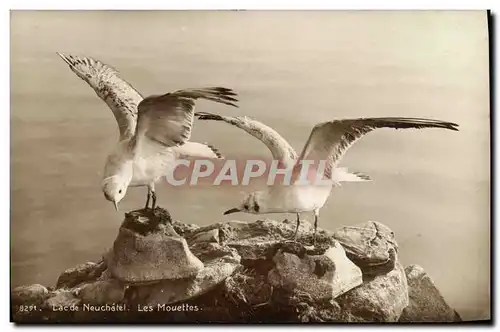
pixel 120 191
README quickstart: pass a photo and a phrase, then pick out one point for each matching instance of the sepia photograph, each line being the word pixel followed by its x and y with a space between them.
pixel 250 166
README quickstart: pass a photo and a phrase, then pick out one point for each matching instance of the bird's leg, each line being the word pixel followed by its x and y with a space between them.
pixel 297 227
pixel 316 216
pixel 147 200
pixel 153 195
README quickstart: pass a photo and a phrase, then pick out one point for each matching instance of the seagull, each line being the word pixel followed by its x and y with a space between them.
pixel 154 131
pixel 328 141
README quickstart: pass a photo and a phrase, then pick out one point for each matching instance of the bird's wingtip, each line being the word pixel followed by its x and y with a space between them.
pixel 201 113
pixel 208 116
pixel 64 57
pixel 453 126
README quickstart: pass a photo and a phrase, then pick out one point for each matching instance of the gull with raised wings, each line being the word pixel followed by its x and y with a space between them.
pixel 154 131
pixel 327 142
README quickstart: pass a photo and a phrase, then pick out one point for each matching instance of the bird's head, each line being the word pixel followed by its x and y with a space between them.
pixel 254 203
pixel 114 189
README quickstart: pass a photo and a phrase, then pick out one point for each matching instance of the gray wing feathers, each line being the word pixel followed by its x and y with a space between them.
pixel 168 119
pixel 279 147
pixel 330 140
pixel 119 95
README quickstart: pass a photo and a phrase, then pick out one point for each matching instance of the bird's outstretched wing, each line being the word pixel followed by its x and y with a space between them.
pixel 120 96
pixel 330 140
pixel 280 148
pixel 168 119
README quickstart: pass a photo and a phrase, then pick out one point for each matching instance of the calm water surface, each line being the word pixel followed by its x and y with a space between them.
pixel 292 70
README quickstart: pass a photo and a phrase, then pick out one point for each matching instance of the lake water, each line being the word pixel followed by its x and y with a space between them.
pixel 291 70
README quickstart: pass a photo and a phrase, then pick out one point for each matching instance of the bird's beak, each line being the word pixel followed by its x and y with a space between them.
pixel 232 211
pixel 116 205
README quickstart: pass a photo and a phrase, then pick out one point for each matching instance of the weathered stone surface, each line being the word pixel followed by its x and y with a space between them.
pixel 379 299
pixel 206 236
pixel 244 237
pixel 252 272
pixel 60 299
pixel 426 302
pixel 29 294
pixel 324 275
pixel 106 274
pixel 147 221
pixel 215 271
pixel 148 249
pixel 184 230
pixel 371 246
pixel 259 240
pixel 102 292
pixel 249 287
pixel 207 251
pixel 83 272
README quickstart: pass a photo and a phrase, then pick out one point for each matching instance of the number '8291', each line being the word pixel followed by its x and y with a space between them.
pixel 27 307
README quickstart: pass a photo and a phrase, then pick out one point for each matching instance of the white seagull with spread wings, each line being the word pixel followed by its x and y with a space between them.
pixel 328 142
pixel 154 131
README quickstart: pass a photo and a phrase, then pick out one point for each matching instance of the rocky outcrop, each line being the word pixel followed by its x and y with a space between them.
pixel 372 246
pixel 217 267
pixel 159 270
pixel 29 295
pixel 426 302
pixel 82 273
pixel 60 300
pixel 148 249
pixel 102 292
pixel 380 299
pixel 324 274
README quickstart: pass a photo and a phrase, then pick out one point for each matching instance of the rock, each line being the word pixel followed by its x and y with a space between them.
pixel 250 242
pixel 62 299
pixel 102 292
pixel 147 221
pixel 242 297
pixel 371 246
pixel 207 236
pixel 184 230
pixel 83 272
pixel 379 299
pixel 207 251
pixel 148 249
pixel 240 272
pixel 426 302
pixel 106 274
pixel 259 240
pixel 215 271
pixel 249 288
pixel 323 275
pixel 29 295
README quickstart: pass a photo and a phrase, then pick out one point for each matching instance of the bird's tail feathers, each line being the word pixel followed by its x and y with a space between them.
pixel 341 174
